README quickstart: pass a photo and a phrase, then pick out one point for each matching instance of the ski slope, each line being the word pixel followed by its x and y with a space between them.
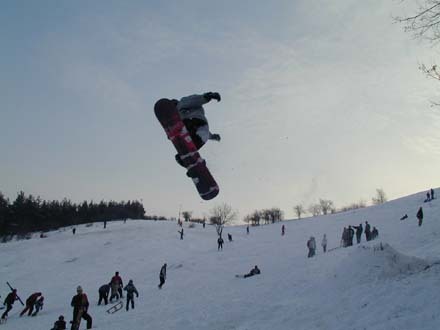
pixel 360 287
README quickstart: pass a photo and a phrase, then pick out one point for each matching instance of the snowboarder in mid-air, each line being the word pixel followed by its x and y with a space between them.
pixel 191 112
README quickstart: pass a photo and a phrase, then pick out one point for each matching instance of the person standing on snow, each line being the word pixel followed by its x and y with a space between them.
pixel 367 231
pixel 131 290
pixel 324 243
pixel 162 275
pixel 359 230
pixel 30 302
pixel 311 244
pixel 80 305
pixel 9 301
pixel 191 112
pixel 420 216
pixel 116 286
pixel 219 243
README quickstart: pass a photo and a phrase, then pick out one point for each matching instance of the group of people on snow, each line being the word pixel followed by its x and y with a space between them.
pixel 349 232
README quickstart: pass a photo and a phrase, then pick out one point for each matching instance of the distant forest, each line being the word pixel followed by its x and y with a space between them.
pixel 29 214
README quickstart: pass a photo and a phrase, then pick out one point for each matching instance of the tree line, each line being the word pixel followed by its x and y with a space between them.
pixel 28 213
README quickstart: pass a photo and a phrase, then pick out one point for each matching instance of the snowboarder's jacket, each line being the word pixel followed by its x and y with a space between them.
pixel 80 302
pixel 190 107
pixel 163 272
pixel 116 280
pixel 420 213
pixel 131 289
pixel 30 301
pixel 11 298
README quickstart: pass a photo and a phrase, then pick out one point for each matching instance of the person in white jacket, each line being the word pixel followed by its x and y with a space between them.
pixel 324 243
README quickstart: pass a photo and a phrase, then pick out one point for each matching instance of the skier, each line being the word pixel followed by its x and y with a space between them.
pixel 38 305
pixel 162 275
pixel 191 112
pixel 9 301
pixel 60 324
pixel 131 290
pixel 116 286
pixel 30 302
pixel 104 291
pixel 80 305
pixel 359 230
pixel 420 216
pixel 324 243
pixel 367 231
pixel 220 243
pixel 311 244
pixel 254 271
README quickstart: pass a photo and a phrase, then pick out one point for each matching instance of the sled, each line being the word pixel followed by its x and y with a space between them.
pixel 115 308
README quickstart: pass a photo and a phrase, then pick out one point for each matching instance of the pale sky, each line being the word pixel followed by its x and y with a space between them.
pixel 320 99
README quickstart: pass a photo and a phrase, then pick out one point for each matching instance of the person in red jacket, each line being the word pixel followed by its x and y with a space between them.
pixel 30 302
pixel 116 286
pixel 9 301
pixel 80 305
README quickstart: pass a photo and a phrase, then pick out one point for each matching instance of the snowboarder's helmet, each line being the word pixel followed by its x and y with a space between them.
pixel 79 289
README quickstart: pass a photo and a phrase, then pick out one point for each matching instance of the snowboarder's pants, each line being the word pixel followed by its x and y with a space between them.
pixel 103 296
pixel 162 282
pixel 37 309
pixel 220 247
pixel 358 238
pixel 311 253
pixel 420 221
pixel 8 308
pixel 28 308
pixel 129 299
pixel 324 247
pixel 192 125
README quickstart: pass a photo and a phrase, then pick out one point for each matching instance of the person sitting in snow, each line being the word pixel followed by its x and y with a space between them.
pixel 60 324
pixel 254 271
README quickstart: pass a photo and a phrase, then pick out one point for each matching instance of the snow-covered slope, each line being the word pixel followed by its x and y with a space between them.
pixel 367 286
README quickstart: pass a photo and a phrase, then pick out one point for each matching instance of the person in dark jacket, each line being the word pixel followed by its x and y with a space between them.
pixel 374 233
pixel 420 216
pixel 220 243
pixel 359 230
pixel 30 302
pixel 350 236
pixel 38 305
pixel 367 231
pixel 181 233
pixel 80 305
pixel 229 237
pixel 162 275
pixel 432 193
pixel 60 324
pixel 104 291
pixel 254 271
pixel 131 290
pixel 9 302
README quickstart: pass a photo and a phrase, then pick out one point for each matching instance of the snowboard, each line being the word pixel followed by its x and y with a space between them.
pixel 168 116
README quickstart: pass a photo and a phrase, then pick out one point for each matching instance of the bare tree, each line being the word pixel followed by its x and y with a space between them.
pixel 222 215
pixel 380 197
pixel 187 215
pixel 315 209
pixel 326 206
pixel 299 210
pixel 425 24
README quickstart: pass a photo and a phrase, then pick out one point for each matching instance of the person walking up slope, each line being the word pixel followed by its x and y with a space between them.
pixel 324 243
pixel 9 302
pixel 80 305
pixel 30 302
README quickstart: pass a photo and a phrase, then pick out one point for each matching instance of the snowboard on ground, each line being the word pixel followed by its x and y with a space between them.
pixel 167 114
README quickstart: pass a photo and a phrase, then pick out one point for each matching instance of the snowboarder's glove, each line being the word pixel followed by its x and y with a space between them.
pixel 215 137
pixel 210 95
